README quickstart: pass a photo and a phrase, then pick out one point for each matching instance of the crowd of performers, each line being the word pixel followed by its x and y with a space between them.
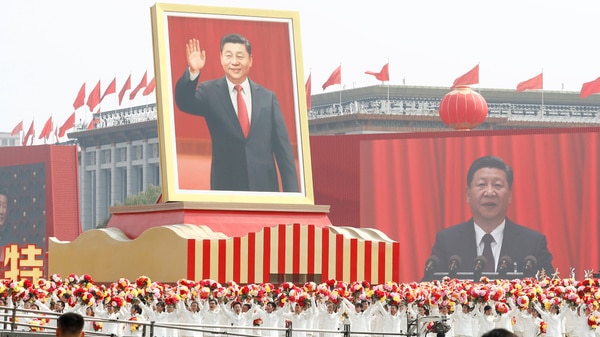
pixel 528 307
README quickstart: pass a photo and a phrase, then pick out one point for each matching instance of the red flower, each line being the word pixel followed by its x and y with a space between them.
pixel 170 300
pixel 117 302
pixel 97 325
pixel 27 283
pixel 543 327
pixel 142 282
pixel 78 292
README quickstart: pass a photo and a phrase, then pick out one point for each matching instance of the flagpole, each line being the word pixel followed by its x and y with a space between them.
pixel 116 97
pixel 387 103
pixel 341 108
pixel 542 102
pixel 542 93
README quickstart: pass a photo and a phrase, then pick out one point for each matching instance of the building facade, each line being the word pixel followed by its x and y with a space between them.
pixel 7 140
pixel 119 158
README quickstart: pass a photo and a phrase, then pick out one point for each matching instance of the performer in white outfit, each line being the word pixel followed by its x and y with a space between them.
pixel 552 318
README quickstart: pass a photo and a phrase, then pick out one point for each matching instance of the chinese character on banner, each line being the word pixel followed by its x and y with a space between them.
pixel 11 259
pixel 26 262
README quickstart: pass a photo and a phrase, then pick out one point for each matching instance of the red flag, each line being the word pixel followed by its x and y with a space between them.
pixel 47 130
pixel 383 75
pixel 80 99
pixel 334 78
pixel 589 88
pixel 533 83
pixel 111 89
pixel 93 123
pixel 17 129
pixel 68 124
pixel 126 87
pixel 139 87
pixel 308 89
pixel 30 133
pixel 471 77
pixel 149 88
pixel 94 97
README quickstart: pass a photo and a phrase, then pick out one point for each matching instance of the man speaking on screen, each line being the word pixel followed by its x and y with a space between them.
pixel 489 242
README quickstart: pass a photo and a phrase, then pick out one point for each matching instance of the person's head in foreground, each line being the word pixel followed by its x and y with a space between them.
pixel 70 324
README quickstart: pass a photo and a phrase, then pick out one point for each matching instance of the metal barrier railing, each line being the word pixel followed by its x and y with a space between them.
pixel 26 322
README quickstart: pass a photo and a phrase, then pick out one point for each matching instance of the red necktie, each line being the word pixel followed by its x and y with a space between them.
pixel 490 264
pixel 242 111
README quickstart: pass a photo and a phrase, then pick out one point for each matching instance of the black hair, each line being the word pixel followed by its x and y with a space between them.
pixel 498 332
pixel 236 38
pixel 70 323
pixel 490 162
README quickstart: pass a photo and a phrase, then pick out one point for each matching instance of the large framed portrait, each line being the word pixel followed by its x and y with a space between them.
pixel 205 156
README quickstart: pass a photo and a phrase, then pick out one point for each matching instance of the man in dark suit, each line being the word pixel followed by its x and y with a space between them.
pixel 244 119
pixel 462 247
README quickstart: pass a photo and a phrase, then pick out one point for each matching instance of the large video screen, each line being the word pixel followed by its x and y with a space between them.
pixel 413 186
pixel 23 221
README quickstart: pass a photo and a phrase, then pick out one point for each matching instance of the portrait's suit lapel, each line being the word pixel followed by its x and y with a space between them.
pixel 257 110
pixel 469 243
pixel 509 243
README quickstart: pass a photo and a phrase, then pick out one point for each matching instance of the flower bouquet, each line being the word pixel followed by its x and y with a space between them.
pixel 133 326
pixel 543 327
pixel 97 326
pixel 593 321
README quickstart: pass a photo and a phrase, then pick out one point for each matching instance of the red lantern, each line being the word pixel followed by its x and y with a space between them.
pixel 463 108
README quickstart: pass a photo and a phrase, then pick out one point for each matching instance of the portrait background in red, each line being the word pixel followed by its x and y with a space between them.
pixel 271 67
pixel 410 186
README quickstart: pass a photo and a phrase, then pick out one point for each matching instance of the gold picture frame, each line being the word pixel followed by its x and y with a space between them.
pixel 184 139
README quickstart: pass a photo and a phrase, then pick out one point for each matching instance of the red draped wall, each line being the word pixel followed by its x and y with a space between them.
pixel 413 185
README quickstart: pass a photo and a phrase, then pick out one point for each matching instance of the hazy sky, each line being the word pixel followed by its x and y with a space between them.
pixel 50 48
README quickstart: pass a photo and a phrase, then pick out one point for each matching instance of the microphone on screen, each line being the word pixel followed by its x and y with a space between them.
pixel 529 265
pixel 431 265
pixel 505 265
pixel 480 263
pixel 454 264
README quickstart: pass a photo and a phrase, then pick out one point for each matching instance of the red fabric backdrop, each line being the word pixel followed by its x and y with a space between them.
pixel 272 68
pixel 412 185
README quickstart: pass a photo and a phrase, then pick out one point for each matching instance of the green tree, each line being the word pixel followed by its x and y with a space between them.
pixel 147 197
